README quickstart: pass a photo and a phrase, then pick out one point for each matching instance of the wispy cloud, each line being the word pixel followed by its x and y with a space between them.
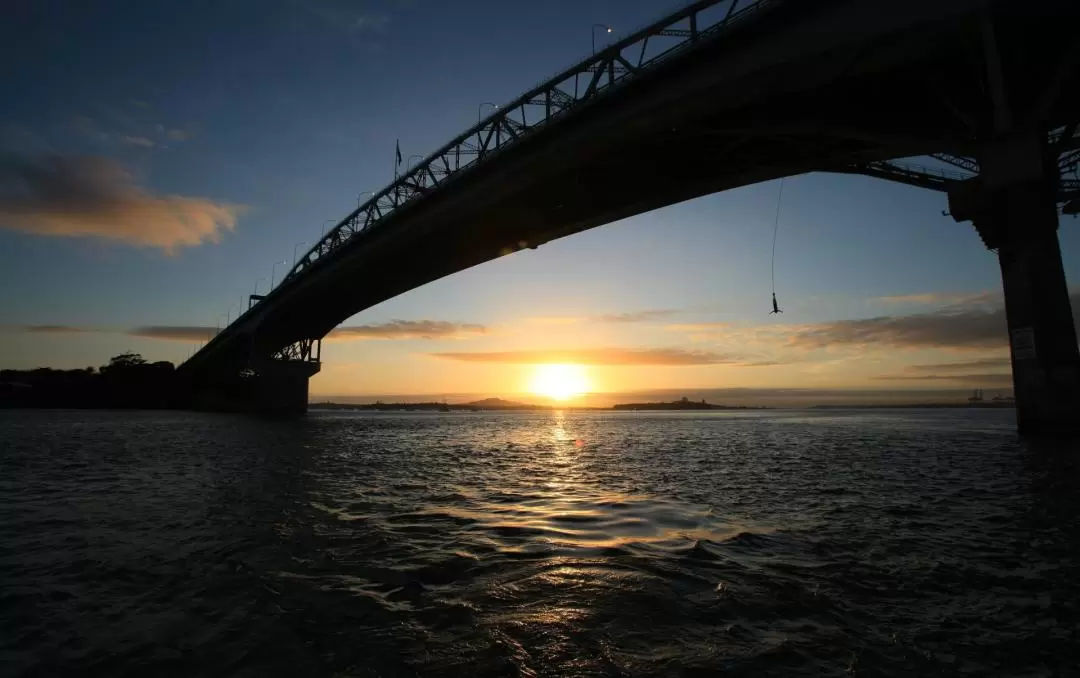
pixel 635 316
pixel 959 372
pixel 976 323
pixel 173 133
pixel 90 196
pixel 933 298
pixel 54 329
pixel 138 141
pixel 598 356
pixel 646 315
pixel 174 332
pixel 699 327
pixel 344 15
pixel 976 328
pixel 376 22
pixel 555 320
pixel 990 380
pixel 981 363
pixel 135 132
pixel 409 329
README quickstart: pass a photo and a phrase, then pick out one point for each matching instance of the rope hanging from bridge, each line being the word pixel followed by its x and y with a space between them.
pixel 776 227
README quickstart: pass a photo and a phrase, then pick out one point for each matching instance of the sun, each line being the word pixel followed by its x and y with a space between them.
pixel 559 382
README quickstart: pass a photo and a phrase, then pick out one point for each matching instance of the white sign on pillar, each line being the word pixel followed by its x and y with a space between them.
pixel 1023 343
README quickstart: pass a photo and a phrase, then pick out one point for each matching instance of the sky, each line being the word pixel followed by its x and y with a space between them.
pixel 157 158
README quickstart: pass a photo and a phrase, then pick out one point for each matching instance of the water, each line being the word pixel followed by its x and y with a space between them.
pixel 875 543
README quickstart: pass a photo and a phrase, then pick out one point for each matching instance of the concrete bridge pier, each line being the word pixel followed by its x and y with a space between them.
pixel 281 387
pixel 276 388
pixel 1013 206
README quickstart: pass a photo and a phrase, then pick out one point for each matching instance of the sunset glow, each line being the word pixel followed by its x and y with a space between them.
pixel 559 382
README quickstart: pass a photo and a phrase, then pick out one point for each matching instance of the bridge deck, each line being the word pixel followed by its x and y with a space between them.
pixel 792 87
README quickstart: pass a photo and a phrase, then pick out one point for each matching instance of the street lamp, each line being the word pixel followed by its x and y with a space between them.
pixel 254 292
pixel 294 251
pixel 273 269
pixel 594 27
pixel 408 163
pixel 480 110
pixel 359 195
pixel 328 221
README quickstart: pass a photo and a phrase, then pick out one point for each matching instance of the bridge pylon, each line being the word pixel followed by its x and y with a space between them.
pixel 1013 204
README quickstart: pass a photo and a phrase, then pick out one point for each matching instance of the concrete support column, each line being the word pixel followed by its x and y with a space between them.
pixel 1014 209
pixel 282 387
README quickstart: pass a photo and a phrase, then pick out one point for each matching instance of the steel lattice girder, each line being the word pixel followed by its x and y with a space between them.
pixel 590 78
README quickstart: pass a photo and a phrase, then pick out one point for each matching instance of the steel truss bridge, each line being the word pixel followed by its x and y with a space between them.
pixel 968 97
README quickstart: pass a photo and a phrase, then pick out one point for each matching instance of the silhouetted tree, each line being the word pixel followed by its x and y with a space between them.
pixel 123 362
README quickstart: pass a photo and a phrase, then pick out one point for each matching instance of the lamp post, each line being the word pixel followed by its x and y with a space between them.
pixel 358 196
pixel 328 221
pixel 255 292
pixel 480 110
pixel 408 163
pixel 606 28
pixel 273 269
pixel 294 251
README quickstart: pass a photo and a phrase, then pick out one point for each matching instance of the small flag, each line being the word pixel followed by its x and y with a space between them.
pixel 397 151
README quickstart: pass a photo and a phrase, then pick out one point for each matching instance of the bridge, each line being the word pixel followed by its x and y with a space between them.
pixel 717 95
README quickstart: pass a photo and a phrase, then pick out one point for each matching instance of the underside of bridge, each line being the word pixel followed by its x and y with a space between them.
pixel 992 88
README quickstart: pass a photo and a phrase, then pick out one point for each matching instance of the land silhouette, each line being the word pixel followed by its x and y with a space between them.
pixel 127 381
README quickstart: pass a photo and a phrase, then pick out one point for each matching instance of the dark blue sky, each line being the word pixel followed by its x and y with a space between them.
pixel 273 116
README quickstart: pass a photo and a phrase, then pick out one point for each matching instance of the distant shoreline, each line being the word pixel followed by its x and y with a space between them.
pixel 495 405
pixel 499 405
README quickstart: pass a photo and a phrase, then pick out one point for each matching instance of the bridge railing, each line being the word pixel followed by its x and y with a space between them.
pixel 584 82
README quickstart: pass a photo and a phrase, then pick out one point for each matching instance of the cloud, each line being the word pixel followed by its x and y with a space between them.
pixel 995 380
pixel 343 14
pixel 628 317
pixel 90 129
pixel 376 23
pixel 698 327
pixel 958 372
pixel 54 329
pixel 138 141
pixel 90 196
pixel 136 133
pixel 987 363
pixel 978 323
pixel 172 133
pixel 173 332
pixel 635 316
pixel 968 329
pixel 599 356
pixel 556 320
pixel 932 298
pixel 408 329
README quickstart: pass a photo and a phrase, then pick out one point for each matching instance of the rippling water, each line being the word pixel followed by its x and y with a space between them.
pixel 884 543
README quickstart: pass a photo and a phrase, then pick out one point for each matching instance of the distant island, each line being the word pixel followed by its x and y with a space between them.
pixel 683 404
pixel 498 404
pixel 474 406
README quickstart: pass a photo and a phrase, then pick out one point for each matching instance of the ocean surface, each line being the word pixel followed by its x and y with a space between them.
pixel 779 543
